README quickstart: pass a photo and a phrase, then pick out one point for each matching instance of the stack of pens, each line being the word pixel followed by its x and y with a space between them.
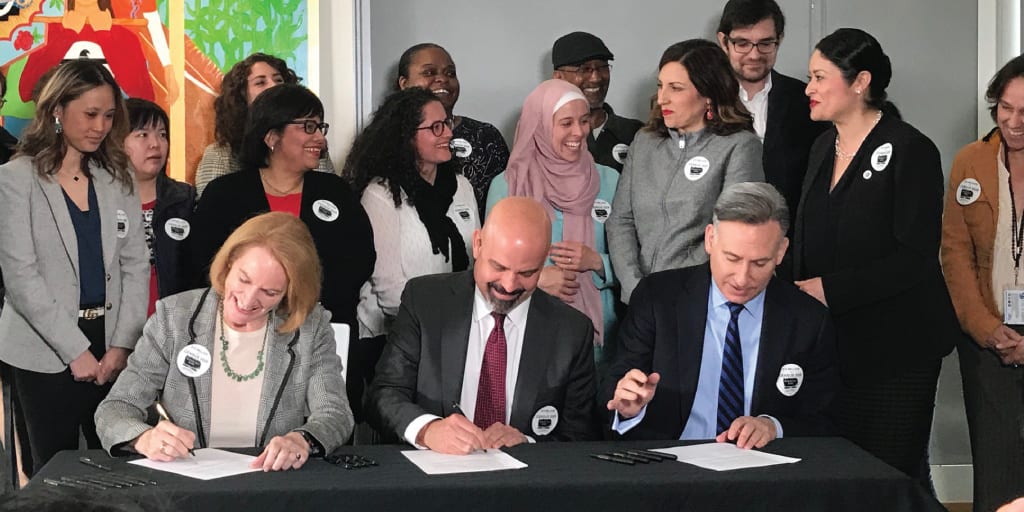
pixel 108 479
pixel 631 457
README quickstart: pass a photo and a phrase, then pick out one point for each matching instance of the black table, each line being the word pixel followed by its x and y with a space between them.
pixel 833 475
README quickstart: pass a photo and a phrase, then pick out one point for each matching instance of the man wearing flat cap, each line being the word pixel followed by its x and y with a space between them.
pixel 582 60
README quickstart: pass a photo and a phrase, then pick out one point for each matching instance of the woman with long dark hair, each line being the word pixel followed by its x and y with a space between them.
pixel 74 258
pixel 422 211
pixel 698 141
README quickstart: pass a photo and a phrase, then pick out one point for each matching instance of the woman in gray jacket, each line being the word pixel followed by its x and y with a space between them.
pixel 250 362
pixel 699 140
pixel 73 258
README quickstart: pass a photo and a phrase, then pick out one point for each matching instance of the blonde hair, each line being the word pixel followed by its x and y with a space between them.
pixel 47 148
pixel 288 239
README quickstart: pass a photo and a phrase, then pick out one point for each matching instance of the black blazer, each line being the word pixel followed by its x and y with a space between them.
pixel 421 369
pixel 887 295
pixel 788 136
pixel 617 130
pixel 664 332
pixel 345 245
pixel 174 200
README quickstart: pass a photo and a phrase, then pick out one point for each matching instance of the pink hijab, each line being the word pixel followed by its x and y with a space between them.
pixel 535 170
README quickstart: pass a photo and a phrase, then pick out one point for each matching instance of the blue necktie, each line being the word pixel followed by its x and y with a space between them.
pixel 730 388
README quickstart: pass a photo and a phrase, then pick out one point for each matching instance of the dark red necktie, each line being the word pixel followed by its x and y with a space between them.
pixel 490 394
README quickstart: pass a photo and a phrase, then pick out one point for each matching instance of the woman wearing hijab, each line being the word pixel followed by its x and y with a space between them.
pixel 550 163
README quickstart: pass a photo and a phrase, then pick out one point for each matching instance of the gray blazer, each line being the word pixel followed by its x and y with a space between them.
pixel 302 387
pixel 39 258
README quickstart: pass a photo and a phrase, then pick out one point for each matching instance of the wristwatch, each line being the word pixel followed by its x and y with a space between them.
pixel 315 449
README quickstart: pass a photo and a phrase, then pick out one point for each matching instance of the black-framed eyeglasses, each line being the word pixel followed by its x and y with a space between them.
pixel 437 127
pixel 587 70
pixel 310 126
pixel 763 47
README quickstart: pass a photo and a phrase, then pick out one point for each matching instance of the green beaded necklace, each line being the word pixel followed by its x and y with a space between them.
pixel 224 351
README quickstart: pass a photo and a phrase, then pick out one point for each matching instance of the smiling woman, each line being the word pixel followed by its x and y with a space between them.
pixel 550 163
pixel 422 211
pixel 264 357
pixel 480 152
pixel 283 141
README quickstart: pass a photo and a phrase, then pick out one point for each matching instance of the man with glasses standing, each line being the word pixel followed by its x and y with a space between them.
pixel 750 32
pixel 582 60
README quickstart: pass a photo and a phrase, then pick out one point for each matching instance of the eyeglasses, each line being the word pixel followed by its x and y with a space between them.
pixel 587 70
pixel 763 47
pixel 310 126
pixel 437 127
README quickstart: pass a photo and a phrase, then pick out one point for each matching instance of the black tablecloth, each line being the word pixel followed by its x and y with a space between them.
pixel 834 475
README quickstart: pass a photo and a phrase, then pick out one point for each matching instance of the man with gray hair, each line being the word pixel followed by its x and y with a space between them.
pixel 725 350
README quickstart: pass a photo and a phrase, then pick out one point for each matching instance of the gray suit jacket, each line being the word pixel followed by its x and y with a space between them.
pixel 302 387
pixel 421 369
pixel 39 258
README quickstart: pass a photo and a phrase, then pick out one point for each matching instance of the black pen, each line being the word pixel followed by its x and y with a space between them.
pixel 612 459
pixel 643 455
pixel 634 458
pixel 135 479
pixel 89 462
pixel 61 483
pixel 102 481
pixel 84 483
pixel 167 417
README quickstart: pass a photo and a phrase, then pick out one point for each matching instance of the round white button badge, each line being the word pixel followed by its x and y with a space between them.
pixel 545 420
pixel 619 152
pixel 791 377
pixel 461 147
pixel 177 228
pixel 968 191
pixel 193 360
pixel 601 210
pixel 881 156
pixel 696 168
pixel 122 224
pixel 325 210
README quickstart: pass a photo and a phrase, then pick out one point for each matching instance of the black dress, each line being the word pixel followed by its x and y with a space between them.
pixel 874 241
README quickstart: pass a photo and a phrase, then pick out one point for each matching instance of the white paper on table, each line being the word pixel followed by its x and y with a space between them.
pixel 209 463
pixel 433 463
pixel 724 456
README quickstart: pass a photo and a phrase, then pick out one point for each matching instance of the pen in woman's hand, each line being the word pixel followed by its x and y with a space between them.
pixel 167 417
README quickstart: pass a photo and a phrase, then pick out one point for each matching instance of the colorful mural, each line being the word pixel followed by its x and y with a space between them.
pixel 171 52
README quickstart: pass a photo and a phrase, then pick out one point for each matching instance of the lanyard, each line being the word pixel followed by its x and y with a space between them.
pixel 1016 227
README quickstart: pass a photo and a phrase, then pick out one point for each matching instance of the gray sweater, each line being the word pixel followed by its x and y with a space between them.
pixel 666 196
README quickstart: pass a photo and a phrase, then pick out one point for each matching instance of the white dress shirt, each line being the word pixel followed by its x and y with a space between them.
pixel 758 106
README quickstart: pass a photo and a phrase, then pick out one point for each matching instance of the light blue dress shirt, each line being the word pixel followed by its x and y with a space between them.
pixel 703 422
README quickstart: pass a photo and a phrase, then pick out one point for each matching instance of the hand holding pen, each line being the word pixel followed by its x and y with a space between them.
pixel 166 441
pixel 453 435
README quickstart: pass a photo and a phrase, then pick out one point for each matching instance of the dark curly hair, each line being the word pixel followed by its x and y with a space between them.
pixel 386 149
pixel 711 74
pixel 1010 71
pixel 230 107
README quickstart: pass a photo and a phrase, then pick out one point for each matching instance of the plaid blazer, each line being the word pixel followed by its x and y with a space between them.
pixel 302 388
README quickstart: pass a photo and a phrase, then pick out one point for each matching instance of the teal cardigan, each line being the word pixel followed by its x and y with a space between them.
pixel 608 286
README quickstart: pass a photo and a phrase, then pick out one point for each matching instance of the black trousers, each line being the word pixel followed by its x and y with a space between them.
pixel 56 408
pixel 891 418
pixel 363 355
pixel 994 400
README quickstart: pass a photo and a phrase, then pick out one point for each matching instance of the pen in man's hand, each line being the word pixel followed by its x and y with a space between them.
pixel 167 417
pixel 458 410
